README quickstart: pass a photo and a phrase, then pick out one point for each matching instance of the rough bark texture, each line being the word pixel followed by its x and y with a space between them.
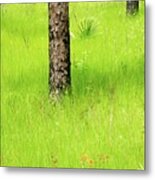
pixel 132 7
pixel 59 48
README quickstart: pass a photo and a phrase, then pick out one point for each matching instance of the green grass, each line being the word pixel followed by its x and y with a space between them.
pixel 101 125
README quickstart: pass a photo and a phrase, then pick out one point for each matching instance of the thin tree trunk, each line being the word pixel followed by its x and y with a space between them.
pixel 132 7
pixel 59 48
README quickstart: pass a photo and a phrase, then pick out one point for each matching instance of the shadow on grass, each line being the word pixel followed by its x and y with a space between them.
pixel 87 80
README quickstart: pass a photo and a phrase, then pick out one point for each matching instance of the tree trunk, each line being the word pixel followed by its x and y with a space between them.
pixel 132 7
pixel 59 48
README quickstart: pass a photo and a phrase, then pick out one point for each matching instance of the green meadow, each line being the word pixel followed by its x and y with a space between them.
pixel 101 123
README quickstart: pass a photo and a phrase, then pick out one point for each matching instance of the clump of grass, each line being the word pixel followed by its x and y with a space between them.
pixel 87 27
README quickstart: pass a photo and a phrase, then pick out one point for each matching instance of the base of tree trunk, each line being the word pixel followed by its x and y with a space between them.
pixel 132 7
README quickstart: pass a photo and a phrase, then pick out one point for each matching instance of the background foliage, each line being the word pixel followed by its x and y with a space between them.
pixel 101 125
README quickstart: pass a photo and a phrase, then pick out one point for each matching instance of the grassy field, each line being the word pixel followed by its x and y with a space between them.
pixel 101 125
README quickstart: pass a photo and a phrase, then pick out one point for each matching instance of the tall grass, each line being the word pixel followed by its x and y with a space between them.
pixel 101 125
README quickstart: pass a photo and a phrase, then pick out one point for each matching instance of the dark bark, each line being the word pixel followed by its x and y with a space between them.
pixel 59 48
pixel 132 7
